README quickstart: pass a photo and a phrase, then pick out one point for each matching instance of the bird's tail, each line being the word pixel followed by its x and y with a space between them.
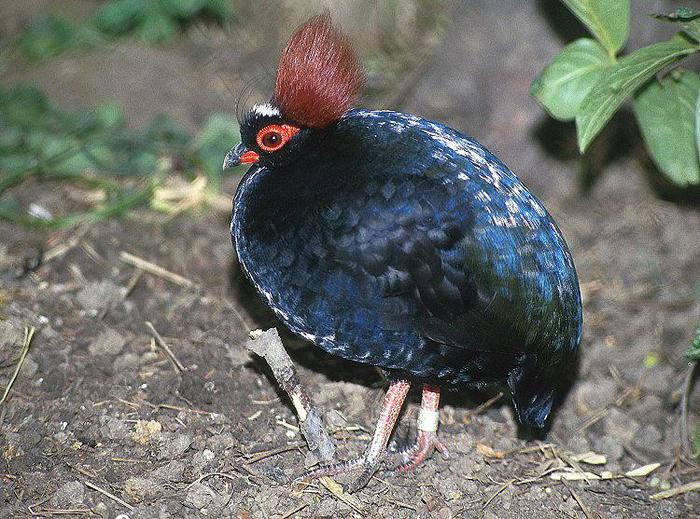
pixel 534 389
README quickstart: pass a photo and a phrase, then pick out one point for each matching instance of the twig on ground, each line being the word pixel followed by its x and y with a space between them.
pixel 272 452
pixel 133 281
pixel 109 495
pixel 294 511
pixel 500 489
pixel 586 511
pixel 64 247
pixel 154 269
pixel 685 398
pixel 201 478
pixel 268 345
pixel 161 342
pixel 26 344
pixel 688 487
pixel 43 512
pixel 172 407
pixel 401 504
pixel 485 405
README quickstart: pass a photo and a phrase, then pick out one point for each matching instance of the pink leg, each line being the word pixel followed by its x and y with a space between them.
pixel 427 440
pixel 376 450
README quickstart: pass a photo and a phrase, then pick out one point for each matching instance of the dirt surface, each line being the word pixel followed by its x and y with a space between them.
pixel 101 422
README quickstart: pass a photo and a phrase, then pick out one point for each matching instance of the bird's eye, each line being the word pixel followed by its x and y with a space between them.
pixel 273 137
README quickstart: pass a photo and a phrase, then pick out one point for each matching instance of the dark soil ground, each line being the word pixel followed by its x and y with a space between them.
pixel 101 423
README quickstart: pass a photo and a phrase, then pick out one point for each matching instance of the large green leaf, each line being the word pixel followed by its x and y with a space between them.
pixel 666 112
pixel 565 82
pixel 608 20
pixel 622 80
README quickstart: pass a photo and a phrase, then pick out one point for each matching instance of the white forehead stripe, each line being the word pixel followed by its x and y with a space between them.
pixel 265 110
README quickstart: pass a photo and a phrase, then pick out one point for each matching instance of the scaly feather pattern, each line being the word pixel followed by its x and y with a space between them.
pixel 403 244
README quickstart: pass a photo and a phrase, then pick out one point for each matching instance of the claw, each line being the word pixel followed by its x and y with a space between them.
pixel 409 458
pixel 369 468
pixel 331 469
pixel 375 454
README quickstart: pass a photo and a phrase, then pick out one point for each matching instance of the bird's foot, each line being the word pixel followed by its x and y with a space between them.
pixel 376 451
pixel 368 464
pixel 410 457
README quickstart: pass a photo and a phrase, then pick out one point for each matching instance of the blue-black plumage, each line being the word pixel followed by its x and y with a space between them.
pixel 395 241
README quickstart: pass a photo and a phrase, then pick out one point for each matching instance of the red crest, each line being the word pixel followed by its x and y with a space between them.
pixel 318 76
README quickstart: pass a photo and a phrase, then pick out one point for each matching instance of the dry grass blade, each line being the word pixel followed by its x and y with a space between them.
pixel 154 269
pixel 574 476
pixel 688 487
pixel 109 495
pixel 642 471
pixel 62 248
pixel 485 405
pixel 590 458
pixel 335 489
pixel 49 512
pixel 201 478
pixel 586 511
pixel 272 452
pixel 161 342
pixel 294 511
pixel 495 494
pixel 26 344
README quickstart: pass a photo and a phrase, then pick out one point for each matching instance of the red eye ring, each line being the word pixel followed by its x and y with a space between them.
pixel 274 136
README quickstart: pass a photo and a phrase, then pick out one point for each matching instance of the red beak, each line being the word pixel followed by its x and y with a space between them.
pixel 249 157
pixel 240 155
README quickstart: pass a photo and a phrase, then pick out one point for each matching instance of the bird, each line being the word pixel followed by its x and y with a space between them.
pixel 392 240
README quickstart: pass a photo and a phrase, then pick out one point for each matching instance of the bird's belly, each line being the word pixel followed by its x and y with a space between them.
pixel 344 314
pixel 327 305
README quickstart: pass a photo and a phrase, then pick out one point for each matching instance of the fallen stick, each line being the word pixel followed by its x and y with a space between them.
pixel 268 345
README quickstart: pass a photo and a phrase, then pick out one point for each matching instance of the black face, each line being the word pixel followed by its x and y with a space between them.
pixel 275 140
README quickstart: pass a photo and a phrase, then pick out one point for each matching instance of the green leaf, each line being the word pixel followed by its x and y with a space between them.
pixel 608 20
pixel 11 164
pixel 693 353
pixel 562 86
pixel 157 27
pixel 697 125
pixel 621 81
pixel 25 107
pixel 48 36
pixel 665 112
pixel 120 16
pixel 166 133
pixel 182 9
pixel 213 142
pixel 110 115
pixel 688 19
pixel 219 10
pixel 76 163
pixel 696 442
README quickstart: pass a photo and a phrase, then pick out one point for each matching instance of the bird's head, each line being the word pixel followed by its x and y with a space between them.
pixel 318 77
